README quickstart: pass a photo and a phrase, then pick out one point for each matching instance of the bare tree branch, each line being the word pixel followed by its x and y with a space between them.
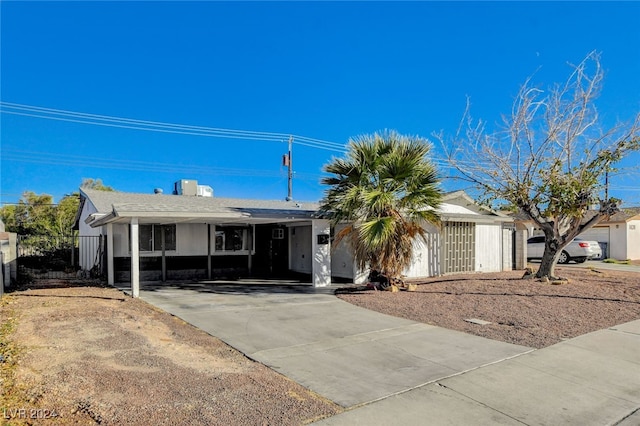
pixel 549 157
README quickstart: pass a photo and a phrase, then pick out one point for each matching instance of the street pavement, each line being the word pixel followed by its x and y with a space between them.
pixel 385 370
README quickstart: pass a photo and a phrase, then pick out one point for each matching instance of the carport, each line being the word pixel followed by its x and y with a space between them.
pixel 192 237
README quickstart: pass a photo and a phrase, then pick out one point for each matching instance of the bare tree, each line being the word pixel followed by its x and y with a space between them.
pixel 549 156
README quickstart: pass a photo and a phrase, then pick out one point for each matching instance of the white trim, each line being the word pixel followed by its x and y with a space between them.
pixel 135 259
pixel 321 263
pixel 110 251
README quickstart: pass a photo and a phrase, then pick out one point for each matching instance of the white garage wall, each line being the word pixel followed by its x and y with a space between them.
pixel 426 259
pixel 599 234
pixel 488 248
pixel 633 241
pixel 426 255
pixel 618 245
pixel 341 259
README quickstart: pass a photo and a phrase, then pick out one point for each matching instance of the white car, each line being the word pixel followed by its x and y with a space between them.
pixel 578 250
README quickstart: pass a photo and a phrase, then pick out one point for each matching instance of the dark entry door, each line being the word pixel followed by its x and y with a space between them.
pixel 272 251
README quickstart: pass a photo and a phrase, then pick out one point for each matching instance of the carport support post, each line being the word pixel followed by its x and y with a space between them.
pixel 209 272
pixel 164 257
pixel 321 252
pixel 110 270
pixel 135 259
pixel 250 245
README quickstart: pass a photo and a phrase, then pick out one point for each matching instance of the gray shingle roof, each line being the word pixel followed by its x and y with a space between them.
pixel 130 204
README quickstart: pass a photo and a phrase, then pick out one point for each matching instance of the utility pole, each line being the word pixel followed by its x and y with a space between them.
pixel 606 185
pixel 287 161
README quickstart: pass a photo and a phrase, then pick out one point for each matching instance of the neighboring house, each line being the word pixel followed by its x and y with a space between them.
pixel 153 237
pixel 619 236
pixel 470 238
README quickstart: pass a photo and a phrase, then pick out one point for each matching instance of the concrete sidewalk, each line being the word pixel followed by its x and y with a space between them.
pixel 387 370
pixel 593 379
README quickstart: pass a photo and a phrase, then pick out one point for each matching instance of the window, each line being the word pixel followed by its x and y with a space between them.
pixel 231 238
pixel 150 237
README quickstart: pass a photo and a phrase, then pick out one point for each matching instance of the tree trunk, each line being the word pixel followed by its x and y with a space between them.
pixel 548 264
pixel 552 250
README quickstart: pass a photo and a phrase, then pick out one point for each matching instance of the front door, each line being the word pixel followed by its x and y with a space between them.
pixel 272 251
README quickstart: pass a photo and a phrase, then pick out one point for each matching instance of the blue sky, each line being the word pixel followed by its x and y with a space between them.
pixel 323 70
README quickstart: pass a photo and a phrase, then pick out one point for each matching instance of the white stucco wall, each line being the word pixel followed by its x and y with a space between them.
pixel 426 258
pixel 300 249
pixel 321 249
pixel 633 239
pixel 341 258
pixel 191 239
pixel 488 248
pixel 426 255
pixel 120 240
pixel 618 241
pixel 507 249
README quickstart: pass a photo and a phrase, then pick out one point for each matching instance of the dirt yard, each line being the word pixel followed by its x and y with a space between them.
pixel 87 355
pixel 524 312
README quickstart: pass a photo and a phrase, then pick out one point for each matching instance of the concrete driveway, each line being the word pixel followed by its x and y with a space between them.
pixel 385 370
pixel 347 354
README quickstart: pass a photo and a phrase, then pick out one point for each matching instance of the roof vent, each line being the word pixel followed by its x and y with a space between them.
pixel 157 190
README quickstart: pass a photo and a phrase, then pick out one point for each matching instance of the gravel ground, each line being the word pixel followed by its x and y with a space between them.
pixel 91 355
pixel 524 312
pixel 94 356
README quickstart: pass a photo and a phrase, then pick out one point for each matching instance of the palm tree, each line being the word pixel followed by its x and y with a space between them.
pixel 383 191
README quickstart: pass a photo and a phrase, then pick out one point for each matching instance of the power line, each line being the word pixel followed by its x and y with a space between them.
pixel 184 129
pixel 162 127
pixel 136 165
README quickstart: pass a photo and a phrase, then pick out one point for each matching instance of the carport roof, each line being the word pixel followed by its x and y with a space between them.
pixel 115 206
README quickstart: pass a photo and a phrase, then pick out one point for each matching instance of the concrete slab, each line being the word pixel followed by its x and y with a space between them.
pixel 429 405
pixel 632 327
pixel 632 419
pixel 612 343
pixel 345 353
pixel 359 369
pixel 535 390
pixel 388 370
pixel 617 377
